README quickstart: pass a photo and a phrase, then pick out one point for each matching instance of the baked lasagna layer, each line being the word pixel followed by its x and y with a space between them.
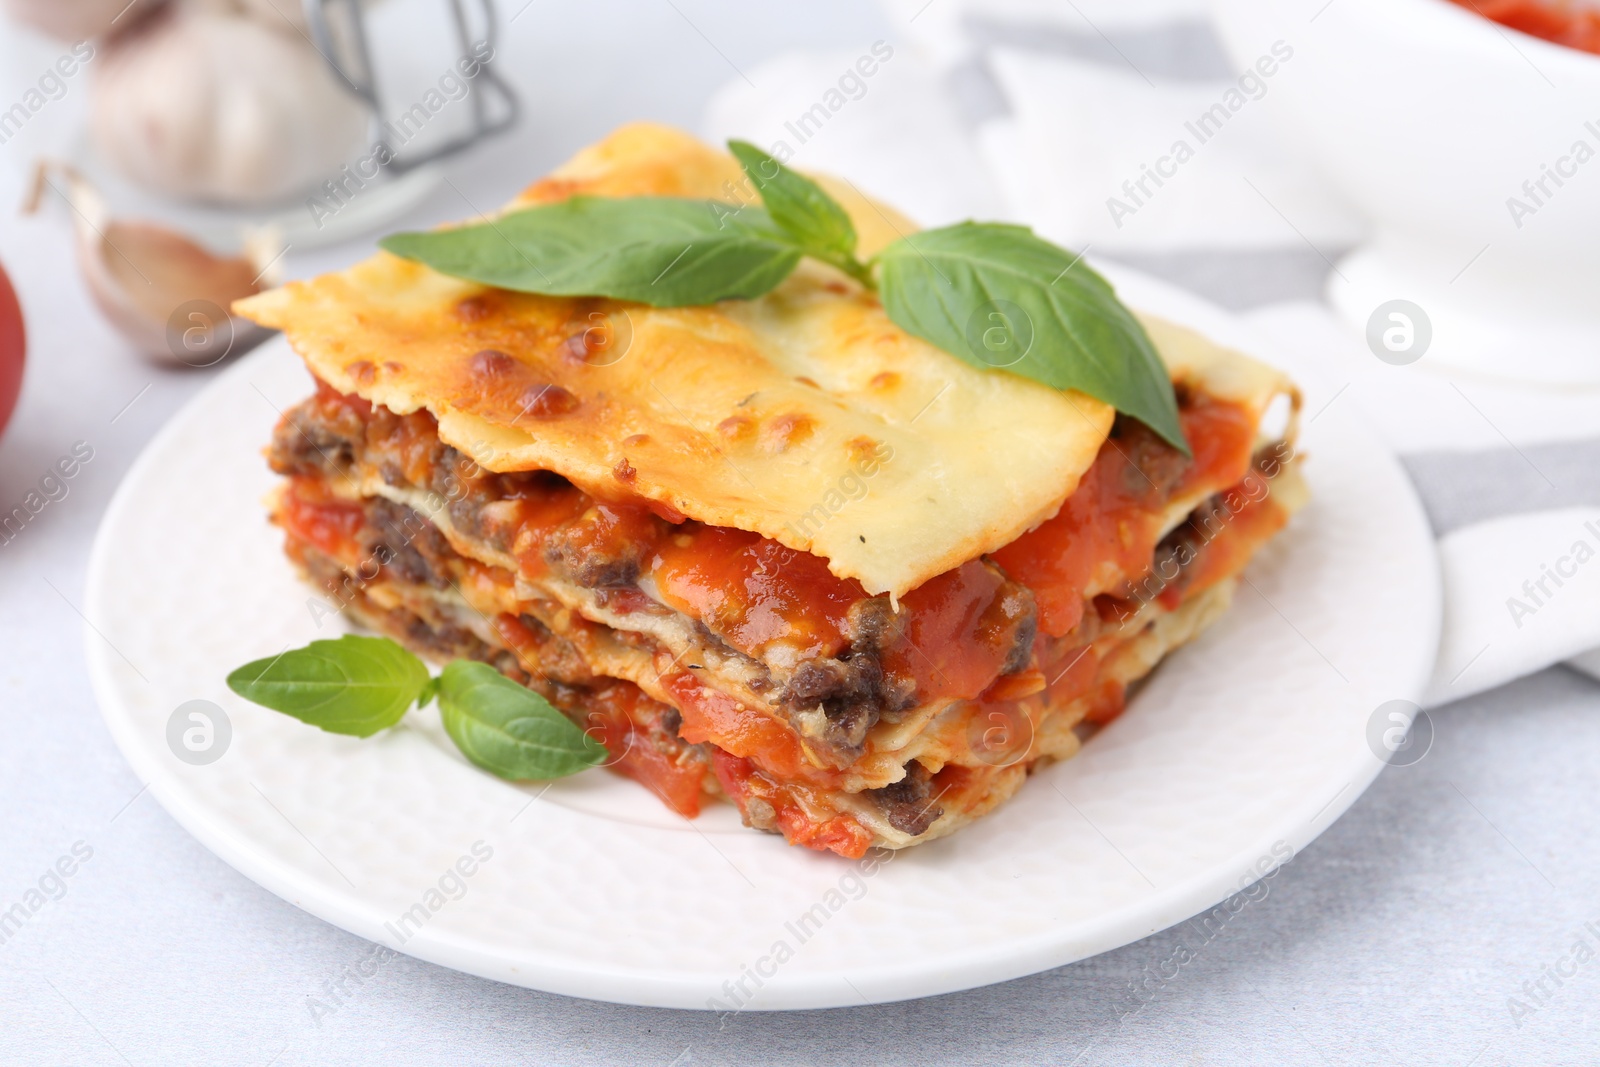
pixel 713 661
pixel 760 415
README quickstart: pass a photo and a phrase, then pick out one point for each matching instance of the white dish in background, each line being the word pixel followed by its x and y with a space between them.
pixel 1429 118
pixel 1243 746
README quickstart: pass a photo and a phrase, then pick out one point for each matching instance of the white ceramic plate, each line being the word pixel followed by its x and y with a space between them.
pixel 1243 747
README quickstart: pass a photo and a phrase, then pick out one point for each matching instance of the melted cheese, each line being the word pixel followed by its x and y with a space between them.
pixel 1221 373
pixel 805 416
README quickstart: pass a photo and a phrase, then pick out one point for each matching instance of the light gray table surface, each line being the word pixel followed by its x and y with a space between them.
pixel 1396 938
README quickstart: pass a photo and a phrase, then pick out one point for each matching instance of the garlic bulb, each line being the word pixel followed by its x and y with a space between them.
pixel 78 20
pixel 199 104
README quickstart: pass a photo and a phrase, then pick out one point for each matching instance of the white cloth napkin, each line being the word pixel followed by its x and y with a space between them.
pixel 1510 477
pixel 1036 111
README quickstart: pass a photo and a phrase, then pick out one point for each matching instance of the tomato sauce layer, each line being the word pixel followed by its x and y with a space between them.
pixel 309 512
pixel 744 783
pixel 1107 530
pixel 636 731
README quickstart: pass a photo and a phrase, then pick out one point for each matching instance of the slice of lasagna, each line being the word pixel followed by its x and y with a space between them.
pixel 774 551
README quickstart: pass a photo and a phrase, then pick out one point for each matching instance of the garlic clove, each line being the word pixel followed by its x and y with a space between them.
pixel 163 292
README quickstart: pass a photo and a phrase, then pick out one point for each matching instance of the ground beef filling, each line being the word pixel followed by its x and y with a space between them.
pixel 436 637
pixel 558 671
pixel 909 804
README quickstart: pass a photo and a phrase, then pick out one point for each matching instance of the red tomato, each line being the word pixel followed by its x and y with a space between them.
pixel 13 342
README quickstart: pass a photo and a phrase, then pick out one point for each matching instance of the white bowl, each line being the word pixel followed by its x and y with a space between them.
pixel 1430 119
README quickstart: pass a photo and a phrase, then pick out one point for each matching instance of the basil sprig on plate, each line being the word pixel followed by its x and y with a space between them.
pixel 992 295
pixel 360 685
pixel 508 729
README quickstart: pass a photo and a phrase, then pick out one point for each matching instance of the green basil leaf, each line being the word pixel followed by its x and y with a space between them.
pixel 352 685
pixel 996 295
pixel 661 251
pixel 430 689
pixel 508 729
pixel 799 206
